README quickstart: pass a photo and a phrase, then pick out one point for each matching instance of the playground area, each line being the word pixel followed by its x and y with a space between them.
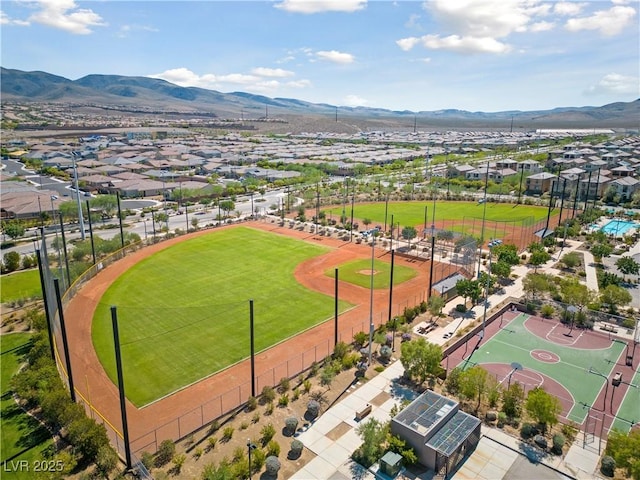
pixel 588 371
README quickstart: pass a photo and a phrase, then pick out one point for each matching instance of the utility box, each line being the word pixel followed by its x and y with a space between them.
pixel 391 463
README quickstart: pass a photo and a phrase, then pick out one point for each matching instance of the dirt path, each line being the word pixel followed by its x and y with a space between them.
pixel 149 425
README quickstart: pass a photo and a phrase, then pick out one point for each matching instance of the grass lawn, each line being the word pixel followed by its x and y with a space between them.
pixel 358 273
pixel 412 213
pixel 23 284
pixel 184 313
pixel 23 438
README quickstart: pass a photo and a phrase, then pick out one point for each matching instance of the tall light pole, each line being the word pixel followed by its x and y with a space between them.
pixel 484 216
pixel 373 242
pixel 486 295
pixel 250 447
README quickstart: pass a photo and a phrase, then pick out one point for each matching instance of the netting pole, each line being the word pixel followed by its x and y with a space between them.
pixel 64 248
pixel 120 219
pixel 123 400
pixel 251 340
pixel 46 304
pixel 335 313
pixel 65 343
pixel 391 283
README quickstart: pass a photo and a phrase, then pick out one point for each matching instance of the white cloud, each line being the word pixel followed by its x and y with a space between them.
pixel 6 20
pixel 407 44
pixel 335 56
pixel 318 6
pixel 541 26
pixel 614 83
pixel 458 44
pixel 299 84
pixel 568 8
pixel 608 22
pixel 272 72
pixel 125 30
pixel 413 22
pixel 65 15
pixel 262 80
pixel 355 101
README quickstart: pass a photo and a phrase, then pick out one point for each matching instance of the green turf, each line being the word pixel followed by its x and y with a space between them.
pixel 413 213
pixel 24 284
pixel 357 272
pixel 514 343
pixel 23 438
pixel 184 312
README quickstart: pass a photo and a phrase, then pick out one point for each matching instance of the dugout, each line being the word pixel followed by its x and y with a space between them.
pixel 441 435
pixel 446 288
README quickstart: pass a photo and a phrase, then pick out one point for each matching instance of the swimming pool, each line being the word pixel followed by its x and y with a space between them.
pixel 618 227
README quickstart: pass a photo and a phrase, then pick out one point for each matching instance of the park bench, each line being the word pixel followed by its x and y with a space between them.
pixel 360 414
pixel 608 328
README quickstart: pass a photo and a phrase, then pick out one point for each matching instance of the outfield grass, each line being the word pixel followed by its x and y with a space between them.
pixel 23 438
pixel 412 213
pixel 184 312
pixel 358 273
pixel 17 285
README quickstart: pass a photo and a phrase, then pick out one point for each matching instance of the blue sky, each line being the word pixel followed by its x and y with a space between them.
pixel 478 55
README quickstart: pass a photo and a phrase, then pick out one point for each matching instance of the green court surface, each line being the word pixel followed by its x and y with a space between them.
pixel 183 313
pixel 629 411
pixel 514 343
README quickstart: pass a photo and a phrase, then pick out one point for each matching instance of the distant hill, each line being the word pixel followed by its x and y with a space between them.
pixel 157 95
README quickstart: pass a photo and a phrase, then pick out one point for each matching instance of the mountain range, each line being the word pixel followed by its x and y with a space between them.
pixel 153 95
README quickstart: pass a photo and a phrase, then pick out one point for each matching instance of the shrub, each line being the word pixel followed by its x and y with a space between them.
pixel 166 451
pixel 258 458
pixel 528 430
pixel 215 425
pixel 273 449
pixel 244 425
pixel 147 460
pixel 267 432
pixel 272 465
pixel 385 352
pixel 291 425
pixel 461 308
pixel 569 431
pixel 252 403
pixel 268 394
pixel 406 337
pixel 178 461
pixel 360 339
pixel 313 408
pixel 296 393
pixel 315 368
pixel 307 386
pixel 283 401
pixel 268 409
pixel 211 443
pixel 350 360
pixel 296 449
pixel 255 418
pixel 547 311
pixel 608 466
pixel 558 443
pixel 340 350
pixel 106 460
pixel 285 384
pixel 198 453
pixel 227 433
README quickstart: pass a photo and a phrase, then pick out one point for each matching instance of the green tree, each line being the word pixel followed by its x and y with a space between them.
pixel 13 229
pixel 409 233
pixel 615 297
pixel 539 257
pixel 501 269
pixel 571 259
pixel 421 359
pixel 625 448
pixel 474 383
pixel 227 206
pixel 512 398
pixel 628 266
pixel 543 407
pixel 575 293
pixel 535 283
pixel 506 253
pixel 11 261
pixel 601 250
pixel 435 305
pixel 373 434
pixel 107 205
